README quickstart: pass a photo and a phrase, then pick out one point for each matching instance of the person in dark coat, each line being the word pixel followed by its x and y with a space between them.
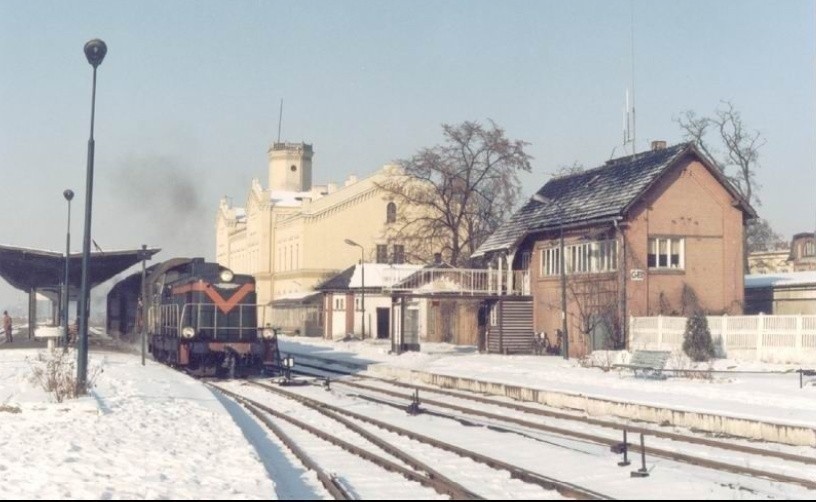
pixel 7 326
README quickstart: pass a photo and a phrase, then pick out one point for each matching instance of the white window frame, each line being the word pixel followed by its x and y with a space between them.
pixel 661 248
pixel 550 261
pixel 585 258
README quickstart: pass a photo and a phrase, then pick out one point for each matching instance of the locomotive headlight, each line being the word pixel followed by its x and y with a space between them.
pixel 268 333
pixel 187 332
pixel 226 275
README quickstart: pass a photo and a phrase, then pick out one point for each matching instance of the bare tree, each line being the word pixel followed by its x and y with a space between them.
pixel 761 237
pixel 596 308
pixel 453 196
pixel 737 155
pixel 735 152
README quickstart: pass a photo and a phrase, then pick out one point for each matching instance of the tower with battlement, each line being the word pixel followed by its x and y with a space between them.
pixel 290 167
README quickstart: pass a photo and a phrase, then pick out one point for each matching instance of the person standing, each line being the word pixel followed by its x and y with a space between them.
pixel 7 326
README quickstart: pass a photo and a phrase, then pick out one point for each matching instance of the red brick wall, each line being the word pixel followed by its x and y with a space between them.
pixel 688 202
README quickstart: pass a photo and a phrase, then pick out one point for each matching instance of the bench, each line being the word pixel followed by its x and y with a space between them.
pixel 50 333
pixel 647 363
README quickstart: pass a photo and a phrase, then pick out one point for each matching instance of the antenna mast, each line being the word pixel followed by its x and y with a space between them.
pixel 280 119
pixel 632 25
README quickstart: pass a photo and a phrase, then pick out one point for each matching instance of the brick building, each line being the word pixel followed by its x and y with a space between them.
pixel 659 232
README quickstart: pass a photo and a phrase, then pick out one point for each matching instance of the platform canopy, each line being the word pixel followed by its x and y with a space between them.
pixel 44 271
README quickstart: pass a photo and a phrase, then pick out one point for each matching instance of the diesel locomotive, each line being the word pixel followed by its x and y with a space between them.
pixel 199 316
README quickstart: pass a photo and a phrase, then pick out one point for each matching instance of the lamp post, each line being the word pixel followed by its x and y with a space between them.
pixel 144 255
pixel 362 280
pixel 95 51
pixel 545 200
pixel 69 195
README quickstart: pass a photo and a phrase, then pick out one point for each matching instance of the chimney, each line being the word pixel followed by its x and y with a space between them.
pixel 437 258
pixel 658 145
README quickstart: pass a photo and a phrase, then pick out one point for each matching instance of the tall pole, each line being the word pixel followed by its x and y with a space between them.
pixel 362 293
pixel 95 51
pixel 69 195
pixel 144 303
pixel 564 294
pixel 362 281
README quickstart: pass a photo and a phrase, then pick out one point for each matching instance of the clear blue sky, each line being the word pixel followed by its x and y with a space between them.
pixel 188 96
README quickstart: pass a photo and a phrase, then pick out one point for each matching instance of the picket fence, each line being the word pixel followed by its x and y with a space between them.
pixel 766 338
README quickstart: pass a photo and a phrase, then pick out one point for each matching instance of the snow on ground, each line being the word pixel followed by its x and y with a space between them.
pixel 152 432
pixel 769 397
pixel 144 432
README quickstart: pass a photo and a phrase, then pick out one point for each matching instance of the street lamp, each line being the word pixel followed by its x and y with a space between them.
pixel 544 200
pixel 362 280
pixel 144 255
pixel 95 51
pixel 68 194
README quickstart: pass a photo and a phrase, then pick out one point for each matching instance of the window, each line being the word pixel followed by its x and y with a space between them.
pixel 583 258
pixel 382 253
pixel 666 252
pixel 494 316
pixel 808 249
pixel 339 303
pixel 293 168
pixel 399 253
pixel 551 261
pixel 391 213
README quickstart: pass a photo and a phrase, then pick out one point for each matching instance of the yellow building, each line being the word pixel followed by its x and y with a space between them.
pixel 292 235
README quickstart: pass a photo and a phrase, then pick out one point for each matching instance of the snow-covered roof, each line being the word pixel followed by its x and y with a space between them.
pixel 780 279
pixel 240 213
pixel 377 275
pixel 288 198
pixel 380 275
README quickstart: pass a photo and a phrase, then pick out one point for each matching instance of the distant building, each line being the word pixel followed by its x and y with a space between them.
pixel 800 257
pixel 291 236
pixel 769 262
pixel 787 293
pixel 803 252
pixel 343 300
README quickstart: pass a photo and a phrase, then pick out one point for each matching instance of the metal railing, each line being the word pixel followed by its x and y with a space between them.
pixel 449 280
pixel 464 281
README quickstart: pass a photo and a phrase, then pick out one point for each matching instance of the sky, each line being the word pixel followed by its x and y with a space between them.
pixel 138 435
pixel 188 98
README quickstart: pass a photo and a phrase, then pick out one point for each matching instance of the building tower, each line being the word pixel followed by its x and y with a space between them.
pixel 290 167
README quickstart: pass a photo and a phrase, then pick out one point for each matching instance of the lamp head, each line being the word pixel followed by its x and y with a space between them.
pixel 95 51
pixel 68 194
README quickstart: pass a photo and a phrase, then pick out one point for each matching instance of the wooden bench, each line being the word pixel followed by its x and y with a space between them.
pixel 647 363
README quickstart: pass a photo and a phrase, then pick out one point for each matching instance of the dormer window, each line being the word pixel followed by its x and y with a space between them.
pixel 391 213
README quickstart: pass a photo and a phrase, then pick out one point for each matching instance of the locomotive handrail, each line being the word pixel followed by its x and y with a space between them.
pixel 169 319
pixel 165 320
pixel 211 311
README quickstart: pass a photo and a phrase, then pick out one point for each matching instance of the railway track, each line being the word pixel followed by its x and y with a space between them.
pixel 688 449
pixel 342 487
pixel 387 439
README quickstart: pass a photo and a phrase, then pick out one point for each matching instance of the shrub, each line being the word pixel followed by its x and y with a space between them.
pixel 56 374
pixel 697 342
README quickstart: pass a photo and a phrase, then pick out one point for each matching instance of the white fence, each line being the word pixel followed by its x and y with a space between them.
pixel 767 338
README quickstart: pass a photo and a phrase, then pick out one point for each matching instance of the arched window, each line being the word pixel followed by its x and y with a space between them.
pixel 391 213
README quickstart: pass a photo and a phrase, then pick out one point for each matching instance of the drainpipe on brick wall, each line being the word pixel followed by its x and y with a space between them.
pixel 622 266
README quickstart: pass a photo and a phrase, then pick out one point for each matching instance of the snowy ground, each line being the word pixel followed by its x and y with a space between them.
pixel 152 432
pixel 139 435
pixel 772 397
